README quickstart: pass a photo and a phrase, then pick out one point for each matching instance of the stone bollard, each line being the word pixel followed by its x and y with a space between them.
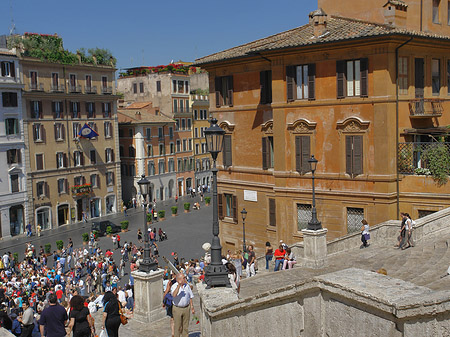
pixel 315 248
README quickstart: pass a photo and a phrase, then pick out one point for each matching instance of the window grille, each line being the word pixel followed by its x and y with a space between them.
pixel 303 216
pixel 354 218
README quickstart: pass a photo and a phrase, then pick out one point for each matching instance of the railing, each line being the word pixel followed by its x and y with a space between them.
pixel 107 90
pixel 75 88
pixel 426 107
pixel 57 88
pixel 37 87
pixel 90 90
pixel 413 156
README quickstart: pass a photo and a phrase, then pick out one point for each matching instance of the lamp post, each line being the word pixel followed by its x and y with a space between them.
pixel 216 274
pixel 244 215
pixel 314 224
pixel 147 264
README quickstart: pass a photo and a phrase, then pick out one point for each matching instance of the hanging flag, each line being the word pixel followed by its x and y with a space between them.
pixel 87 132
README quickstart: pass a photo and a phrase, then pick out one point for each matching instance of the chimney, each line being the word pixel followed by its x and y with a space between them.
pixel 395 12
pixel 318 19
pixel 138 115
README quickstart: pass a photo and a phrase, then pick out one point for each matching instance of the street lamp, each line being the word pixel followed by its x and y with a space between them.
pixel 147 264
pixel 314 224
pixel 244 215
pixel 216 274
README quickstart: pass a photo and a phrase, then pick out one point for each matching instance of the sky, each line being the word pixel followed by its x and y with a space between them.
pixel 152 32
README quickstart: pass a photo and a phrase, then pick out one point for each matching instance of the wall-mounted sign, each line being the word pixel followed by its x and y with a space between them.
pixel 79 190
pixel 250 195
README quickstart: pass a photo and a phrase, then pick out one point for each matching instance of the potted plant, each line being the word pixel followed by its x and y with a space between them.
pixel 108 231
pixel 16 258
pixel 95 234
pixel 161 214
pixel 85 237
pixel 207 201
pixel 124 224
pixel 149 217
pixel 174 210
pixel 48 248
pixel 187 206
pixel 59 245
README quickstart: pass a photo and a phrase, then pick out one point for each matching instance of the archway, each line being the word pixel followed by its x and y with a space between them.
pixel 44 217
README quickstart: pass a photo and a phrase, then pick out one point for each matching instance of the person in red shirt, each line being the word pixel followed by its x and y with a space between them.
pixel 279 257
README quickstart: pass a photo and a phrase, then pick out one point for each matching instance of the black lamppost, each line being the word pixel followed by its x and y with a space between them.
pixel 216 274
pixel 244 215
pixel 147 264
pixel 314 224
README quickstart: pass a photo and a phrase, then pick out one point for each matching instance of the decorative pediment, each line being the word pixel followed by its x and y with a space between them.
pixel 302 125
pixel 353 124
pixel 14 170
pixel 227 126
pixel 267 127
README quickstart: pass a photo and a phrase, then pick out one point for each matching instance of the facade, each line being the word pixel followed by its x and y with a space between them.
pixel 13 196
pixel 147 147
pixel 69 176
pixel 330 89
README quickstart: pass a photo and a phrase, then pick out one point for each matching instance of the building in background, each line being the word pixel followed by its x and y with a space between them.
pixel 147 147
pixel 13 196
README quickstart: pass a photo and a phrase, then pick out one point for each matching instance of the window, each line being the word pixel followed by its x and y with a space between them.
pixel 93 126
pixel 158 86
pixel 95 181
pixel 150 150
pixel 183 124
pixel 104 83
pixel 130 133
pixel 300 81
pixel 8 69
pixel 195 132
pixel 141 87
pixel 11 126
pixel 14 183
pixel 93 156
pixel 109 178
pixel 62 186
pixel 436 4
pixel 161 150
pixel 41 189
pixel 303 216
pixel 272 212
pixel 108 129
pixel 90 109
pixel 160 133
pixel 302 154
pixel 203 147
pixel 175 106
pixel 36 109
pixel 189 124
pixel 132 170
pixel 109 155
pixel 76 129
pixel 88 84
pixel 181 105
pixel 79 180
pixel 39 161
pixel 180 165
pixel 131 151
pixel 171 165
pixel 403 75
pixel 149 134
pixel 354 218
pixel 186 86
pixel 227 205
pixel 178 145
pixel 224 91
pixel 33 80
pixel 265 82
pixel 172 148
pixel 78 158
pixel 73 82
pixel 227 151
pixel 195 114
pixel 170 132
pixel 13 156
pixel 419 77
pixel 174 85
pixel 61 160
pixel 57 109
pixel 59 131
pixel 267 152
pixel 352 78
pixel 180 87
pixel 134 88
pixel 55 82
pixel 151 168
pixel 197 148
pixel 106 110
pixel 354 155
pixel 436 76
pixel 9 99
pixel 177 124
pixel 184 145
pixel 38 132
pixel 75 109
pixel 190 144
pixel 186 104
pixel 162 167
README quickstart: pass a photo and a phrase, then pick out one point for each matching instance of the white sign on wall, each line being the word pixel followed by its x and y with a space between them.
pixel 250 195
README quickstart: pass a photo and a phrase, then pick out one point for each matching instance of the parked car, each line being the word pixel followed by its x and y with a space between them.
pixel 100 227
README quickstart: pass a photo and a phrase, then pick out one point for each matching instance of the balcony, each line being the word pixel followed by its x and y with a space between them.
pixel 414 158
pixel 425 108
pixel 36 87
pixel 107 90
pixel 57 88
pixel 90 90
pixel 75 88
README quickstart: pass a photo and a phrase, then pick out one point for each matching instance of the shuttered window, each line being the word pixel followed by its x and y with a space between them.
pixel 300 82
pixel 352 78
pixel 39 161
pixel 224 91
pixel 227 151
pixel 267 152
pixel 265 82
pixel 403 75
pixel 220 205
pixel 272 212
pixel 354 155
pixel 436 76
pixel 302 154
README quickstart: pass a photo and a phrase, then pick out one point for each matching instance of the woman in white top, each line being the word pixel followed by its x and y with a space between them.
pixel 409 229
pixel 289 259
pixel 365 234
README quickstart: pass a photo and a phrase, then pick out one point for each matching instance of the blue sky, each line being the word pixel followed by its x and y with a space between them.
pixel 155 32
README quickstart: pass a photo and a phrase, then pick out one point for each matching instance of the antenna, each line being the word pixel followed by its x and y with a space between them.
pixel 12 29
pixel 143 59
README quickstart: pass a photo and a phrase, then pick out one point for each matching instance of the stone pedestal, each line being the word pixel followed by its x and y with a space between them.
pixel 148 295
pixel 315 248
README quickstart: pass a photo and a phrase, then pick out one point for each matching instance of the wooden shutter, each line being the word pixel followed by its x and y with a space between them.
pixel 43 132
pixel 263 87
pixel 272 212
pixel 305 153
pixel 265 148
pixel 47 190
pixel 55 130
pixel 364 66
pixel 3 68
pixel 340 76
pixel 12 70
pixel 298 153
pixel 357 155
pixel 40 109
pixel 65 160
pixel 311 81
pixel 35 132
pixel 235 208
pixel 218 89
pixel 419 77
pixel 71 108
pixel 290 83
pixel 348 154
pixel 220 205
pixel 112 155
pixel 82 158
pixel 227 153
pixel 54 109
pixel 57 160
pixel 66 184
pixel 63 131
pixel 230 90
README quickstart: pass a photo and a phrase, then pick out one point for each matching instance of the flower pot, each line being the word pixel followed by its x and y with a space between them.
pixel 162 219
pixel 85 243
pixel 108 235
pixel 124 230
pixel 186 211
pixel 174 214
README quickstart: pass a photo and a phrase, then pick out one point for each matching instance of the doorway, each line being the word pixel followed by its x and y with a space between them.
pixel 79 209
pixel 63 215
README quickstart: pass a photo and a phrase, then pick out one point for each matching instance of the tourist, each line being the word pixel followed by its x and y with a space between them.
pixel 53 319
pixel 402 237
pixel 139 235
pixel 237 260
pixel 80 319
pixel 279 257
pixel 250 268
pixel 27 318
pixel 269 254
pixel 16 329
pixel 364 234
pixel 168 281
pixel 233 276
pixel 111 316
pixel 289 259
pixel 408 231
pixel 182 300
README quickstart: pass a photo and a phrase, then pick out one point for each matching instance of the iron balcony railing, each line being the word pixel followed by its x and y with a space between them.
pixel 75 88
pixel 90 90
pixel 426 107
pixel 37 87
pixel 58 88
pixel 107 90
pixel 413 156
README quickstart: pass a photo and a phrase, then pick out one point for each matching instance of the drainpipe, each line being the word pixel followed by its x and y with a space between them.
pixel 421 13
pixel 397 182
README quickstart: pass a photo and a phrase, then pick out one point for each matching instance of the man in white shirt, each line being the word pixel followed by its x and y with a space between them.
pixel 5 259
pixel 122 297
pixel 182 299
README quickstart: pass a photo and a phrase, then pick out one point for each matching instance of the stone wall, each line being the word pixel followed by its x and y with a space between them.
pixel 350 302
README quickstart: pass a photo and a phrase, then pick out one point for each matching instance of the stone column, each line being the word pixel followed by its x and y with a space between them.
pixel 148 295
pixel 315 247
